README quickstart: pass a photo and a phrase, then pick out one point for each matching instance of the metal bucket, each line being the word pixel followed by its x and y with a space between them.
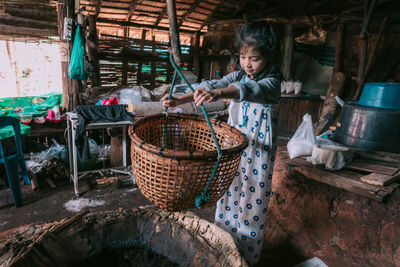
pixel 369 128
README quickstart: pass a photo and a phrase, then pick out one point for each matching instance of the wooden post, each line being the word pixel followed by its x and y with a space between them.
pixel 173 32
pixel 287 52
pixel 364 38
pixel 153 62
pixel 337 67
pixel 125 59
pixel 93 44
pixel 336 86
pixel 196 59
pixel 329 108
pixel 370 60
pixel 140 65
pixel 71 96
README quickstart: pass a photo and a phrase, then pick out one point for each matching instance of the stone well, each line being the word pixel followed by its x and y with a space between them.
pixel 181 238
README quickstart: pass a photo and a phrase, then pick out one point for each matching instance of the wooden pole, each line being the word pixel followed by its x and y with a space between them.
pixel 153 63
pixel 124 59
pixel 364 38
pixel 173 32
pixel 330 107
pixel 71 96
pixel 196 59
pixel 337 67
pixel 370 61
pixel 287 52
pixel 140 65
pixel 93 44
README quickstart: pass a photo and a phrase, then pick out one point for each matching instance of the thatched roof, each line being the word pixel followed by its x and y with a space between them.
pixel 17 17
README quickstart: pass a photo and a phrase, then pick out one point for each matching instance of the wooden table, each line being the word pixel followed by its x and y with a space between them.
pixel 373 178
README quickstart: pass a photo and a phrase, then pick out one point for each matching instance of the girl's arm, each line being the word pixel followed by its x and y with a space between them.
pixel 174 101
pixel 207 92
pixel 264 91
pixel 222 83
pixel 203 95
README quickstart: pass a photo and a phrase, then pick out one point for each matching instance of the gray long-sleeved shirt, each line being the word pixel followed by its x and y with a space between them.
pixel 266 89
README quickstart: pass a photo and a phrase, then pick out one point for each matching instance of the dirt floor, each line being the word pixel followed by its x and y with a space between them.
pixel 58 203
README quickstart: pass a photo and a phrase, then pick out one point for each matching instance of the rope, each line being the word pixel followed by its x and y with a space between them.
pixel 204 195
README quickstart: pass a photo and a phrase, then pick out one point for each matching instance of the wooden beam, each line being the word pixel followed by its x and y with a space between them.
pixel 160 17
pixel 98 7
pixel 212 14
pixel 12 30
pixel 131 9
pixel 188 12
pixel 287 52
pixel 138 25
pixel 31 13
pixel 25 22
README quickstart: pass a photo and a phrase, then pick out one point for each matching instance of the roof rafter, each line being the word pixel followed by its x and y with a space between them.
pixel 138 25
pixel 160 17
pixel 131 9
pixel 188 12
pixel 212 14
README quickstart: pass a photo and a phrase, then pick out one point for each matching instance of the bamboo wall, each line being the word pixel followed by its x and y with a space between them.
pixel 128 62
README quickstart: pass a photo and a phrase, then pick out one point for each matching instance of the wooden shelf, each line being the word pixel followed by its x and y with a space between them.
pixel 373 179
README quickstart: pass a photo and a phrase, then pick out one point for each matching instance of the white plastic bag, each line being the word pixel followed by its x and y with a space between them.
pixel 332 156
pixel 302 142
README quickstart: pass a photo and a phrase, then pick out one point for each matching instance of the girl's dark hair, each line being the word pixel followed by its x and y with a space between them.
pixel 261 35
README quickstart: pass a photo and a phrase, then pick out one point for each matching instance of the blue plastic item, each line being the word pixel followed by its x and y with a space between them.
pixel 381 95
pixel 13 160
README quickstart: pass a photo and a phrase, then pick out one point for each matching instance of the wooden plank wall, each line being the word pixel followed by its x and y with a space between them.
pixel 292 110
pixel 142 62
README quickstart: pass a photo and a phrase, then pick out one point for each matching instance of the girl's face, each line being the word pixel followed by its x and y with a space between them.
pixel 251 61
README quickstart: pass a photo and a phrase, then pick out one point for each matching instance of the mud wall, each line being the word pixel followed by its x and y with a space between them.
pixel 313 219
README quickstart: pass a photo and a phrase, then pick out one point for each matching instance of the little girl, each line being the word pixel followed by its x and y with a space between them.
pixel 253 91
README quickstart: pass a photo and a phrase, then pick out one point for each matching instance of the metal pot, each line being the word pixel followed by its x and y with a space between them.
pixel 369 128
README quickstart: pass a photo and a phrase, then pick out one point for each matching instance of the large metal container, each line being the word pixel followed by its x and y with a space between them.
pixel 369 128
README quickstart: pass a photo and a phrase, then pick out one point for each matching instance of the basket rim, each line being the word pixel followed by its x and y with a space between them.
pixel 185 154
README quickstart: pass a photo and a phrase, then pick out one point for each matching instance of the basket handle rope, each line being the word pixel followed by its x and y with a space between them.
pixel 204 195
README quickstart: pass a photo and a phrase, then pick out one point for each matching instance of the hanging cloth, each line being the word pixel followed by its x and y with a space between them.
pixel 77 63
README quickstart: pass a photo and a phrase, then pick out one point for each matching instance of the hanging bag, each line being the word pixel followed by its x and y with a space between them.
pixel 77 68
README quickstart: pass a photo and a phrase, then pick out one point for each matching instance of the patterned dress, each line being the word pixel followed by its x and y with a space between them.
pixel 242 210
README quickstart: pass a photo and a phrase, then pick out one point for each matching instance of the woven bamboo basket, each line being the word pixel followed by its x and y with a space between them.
pixel 174 155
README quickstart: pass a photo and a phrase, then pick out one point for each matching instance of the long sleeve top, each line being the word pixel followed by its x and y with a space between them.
pixel 265 89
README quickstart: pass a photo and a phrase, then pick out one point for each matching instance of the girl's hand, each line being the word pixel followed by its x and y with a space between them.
pixel 168 103
pixel 202 95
